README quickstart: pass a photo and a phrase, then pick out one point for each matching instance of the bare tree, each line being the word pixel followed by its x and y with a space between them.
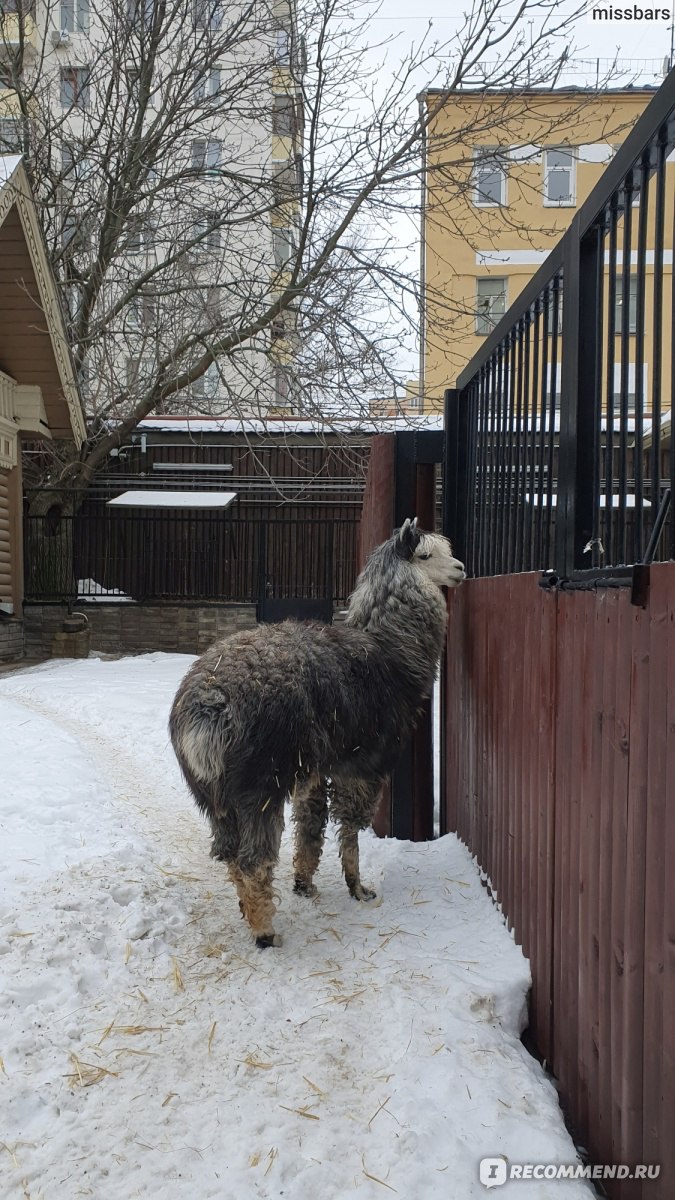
pixel 223 191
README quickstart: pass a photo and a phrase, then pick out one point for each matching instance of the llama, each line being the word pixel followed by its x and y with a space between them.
pixel 314 713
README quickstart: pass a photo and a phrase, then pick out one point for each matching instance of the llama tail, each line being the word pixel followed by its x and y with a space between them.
pixel 198 741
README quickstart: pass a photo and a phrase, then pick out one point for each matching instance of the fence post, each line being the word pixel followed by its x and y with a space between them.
pixel 456 464
pixel 576 510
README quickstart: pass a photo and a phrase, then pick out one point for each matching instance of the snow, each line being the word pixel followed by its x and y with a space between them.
pixel 89 589
pixel 433 421
pixel 161 499
pixel 150 1050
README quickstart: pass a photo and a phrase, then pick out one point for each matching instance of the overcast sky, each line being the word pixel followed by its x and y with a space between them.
pixel 635 39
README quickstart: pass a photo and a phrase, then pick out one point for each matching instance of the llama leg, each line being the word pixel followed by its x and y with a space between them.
pixel 310 814
pixel 349 854
pixel 253 872
pixel 225 840
pixel 353 808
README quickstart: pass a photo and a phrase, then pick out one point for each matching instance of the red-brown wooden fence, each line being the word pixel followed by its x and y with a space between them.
pixel 560 777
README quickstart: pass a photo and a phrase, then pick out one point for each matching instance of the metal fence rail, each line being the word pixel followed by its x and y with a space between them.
pixel 188 556
pixel 560 430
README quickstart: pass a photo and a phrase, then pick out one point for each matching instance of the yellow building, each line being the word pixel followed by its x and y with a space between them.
pixel 505 175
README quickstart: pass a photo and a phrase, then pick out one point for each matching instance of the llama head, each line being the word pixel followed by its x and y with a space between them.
pixel 430 553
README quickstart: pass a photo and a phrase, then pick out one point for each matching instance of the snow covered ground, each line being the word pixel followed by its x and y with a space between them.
pixel 150 1050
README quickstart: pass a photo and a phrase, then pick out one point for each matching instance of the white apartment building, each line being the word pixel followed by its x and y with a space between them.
pixel 166 151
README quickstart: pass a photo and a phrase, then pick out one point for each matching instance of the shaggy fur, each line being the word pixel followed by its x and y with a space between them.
pixel 312 712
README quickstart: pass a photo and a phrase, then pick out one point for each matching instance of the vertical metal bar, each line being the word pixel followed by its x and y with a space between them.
pixel 490 467
pixel 480 467
pixel 609 538
pixel 551 425
pixel 521 435
pixel 657 325
pixel 535 328
pixel 672 404
pixel 625 344
pixel 596 544
pixel 496 461
pixel 509 447
pixel 640 334
pixel 578 500
pixel 499 540
pixel 471 475
pixel 539 509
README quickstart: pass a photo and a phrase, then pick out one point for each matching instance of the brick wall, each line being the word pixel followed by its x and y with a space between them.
pixel 11 639
pixel 135 628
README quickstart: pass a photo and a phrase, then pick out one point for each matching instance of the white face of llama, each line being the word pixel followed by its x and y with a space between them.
pixel 433 555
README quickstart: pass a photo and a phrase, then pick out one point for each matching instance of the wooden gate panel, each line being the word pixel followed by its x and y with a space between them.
pixel 561 779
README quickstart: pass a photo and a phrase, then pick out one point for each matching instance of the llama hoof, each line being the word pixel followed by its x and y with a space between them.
pixel 268 939
pixel 359 892
pixel 304 887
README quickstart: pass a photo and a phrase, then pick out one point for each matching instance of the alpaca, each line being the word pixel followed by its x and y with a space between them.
pixel 314 713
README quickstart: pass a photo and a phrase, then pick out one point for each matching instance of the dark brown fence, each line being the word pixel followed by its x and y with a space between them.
pixel 560 777
pixel 185 554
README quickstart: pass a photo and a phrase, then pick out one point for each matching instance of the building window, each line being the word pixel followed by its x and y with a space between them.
pixel 213 304
pixel 284 246
pixel 140 235
pixel 75 231
pixel 206 235
pixel 26 7
pixel 207 85
pixel 206 154
pixel 285 184
pixel 140 372
pixel 208 384
pixel 283 116
pixel 140 13
pixel 207 14
pixel 10 135
pixel 283 396
pixel 75 87
pixel 490 303
pixel 76 165
pixel 489 177
pixel 632 305
pixel 560 176
pixel 141 313
pixel 75 16
pixel 282 52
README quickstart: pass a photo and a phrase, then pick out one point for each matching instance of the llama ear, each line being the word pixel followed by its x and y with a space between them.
pixel 408 538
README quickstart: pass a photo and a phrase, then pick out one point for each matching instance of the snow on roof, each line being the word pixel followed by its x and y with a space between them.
pixel 160 499
pixel 434 421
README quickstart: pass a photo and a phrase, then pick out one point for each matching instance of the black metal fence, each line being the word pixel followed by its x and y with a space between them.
pixel 186 555
pixel 559 433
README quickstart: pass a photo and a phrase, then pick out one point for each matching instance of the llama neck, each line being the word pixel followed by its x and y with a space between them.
pixel 406 613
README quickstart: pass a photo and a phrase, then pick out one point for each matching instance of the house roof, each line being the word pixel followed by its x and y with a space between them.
pixel 271 425
pixel 34 346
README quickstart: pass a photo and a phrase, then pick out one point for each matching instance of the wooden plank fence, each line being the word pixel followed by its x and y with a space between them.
pixel 560 777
